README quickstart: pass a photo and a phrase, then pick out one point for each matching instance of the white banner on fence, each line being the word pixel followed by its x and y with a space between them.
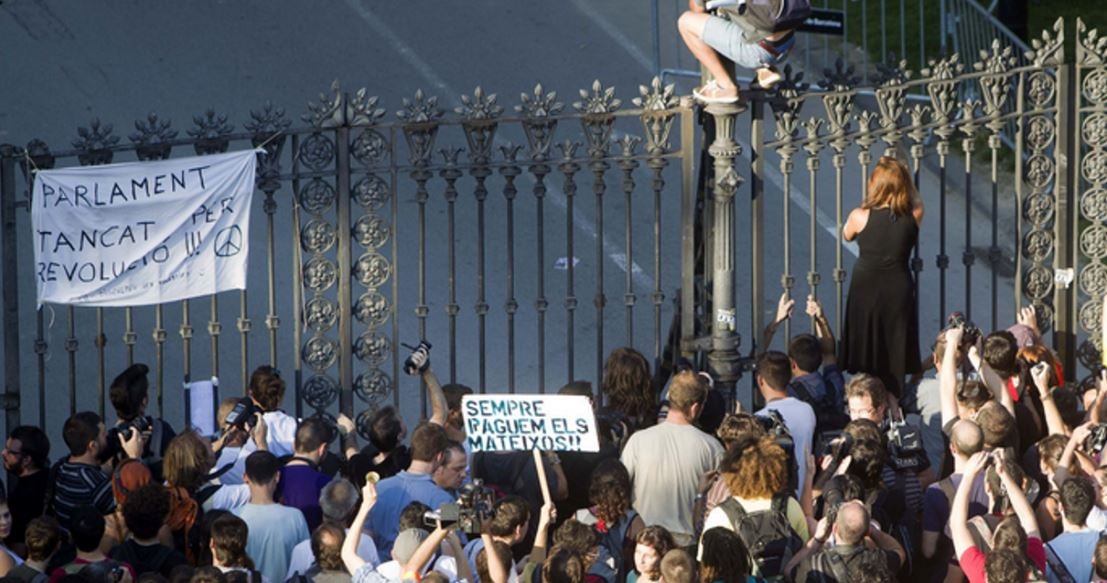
pixel 524 422
pixel 142 233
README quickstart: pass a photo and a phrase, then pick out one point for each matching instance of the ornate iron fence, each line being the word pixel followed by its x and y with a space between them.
pixel 436 226
pixel 394 225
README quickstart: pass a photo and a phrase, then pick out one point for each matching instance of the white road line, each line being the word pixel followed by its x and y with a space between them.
pixel 615 253
pixel 771 173
pixel 586 7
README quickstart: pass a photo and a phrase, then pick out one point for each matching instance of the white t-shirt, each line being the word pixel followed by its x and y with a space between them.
pixel 665 463
pixel 800 419
pixel 391 570
pixel 281 432
pixel 303 558
pixel 228 497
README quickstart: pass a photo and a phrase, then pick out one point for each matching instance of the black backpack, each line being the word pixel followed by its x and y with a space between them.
pixel 767 534
pixel 773 423
pixel 830 417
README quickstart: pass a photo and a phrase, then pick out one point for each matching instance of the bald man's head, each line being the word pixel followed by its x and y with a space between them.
pixel 852 523
pixel 966 439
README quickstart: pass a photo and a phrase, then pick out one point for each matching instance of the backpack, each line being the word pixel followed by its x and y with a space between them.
pixel 767 534
pixel 829 416
pixel 615 541
pixel 775 427
pixel 768 15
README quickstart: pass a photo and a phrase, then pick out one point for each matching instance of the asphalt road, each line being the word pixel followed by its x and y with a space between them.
pixel 66 63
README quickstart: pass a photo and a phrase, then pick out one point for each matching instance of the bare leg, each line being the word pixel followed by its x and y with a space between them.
pixel 691 26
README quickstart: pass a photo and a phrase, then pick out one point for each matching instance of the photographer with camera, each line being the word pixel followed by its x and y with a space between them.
pixel 363 571
pixel 428 449
pixel 509 524
pixel 83 477
pixel 966 440
pixel 857 541
pixel 130 395
pixel 266 393
pixel 1013 541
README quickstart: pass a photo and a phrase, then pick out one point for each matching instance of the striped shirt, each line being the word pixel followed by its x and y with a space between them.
pixel 80 484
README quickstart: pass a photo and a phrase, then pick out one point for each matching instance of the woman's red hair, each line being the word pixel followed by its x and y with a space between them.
pixel 890 186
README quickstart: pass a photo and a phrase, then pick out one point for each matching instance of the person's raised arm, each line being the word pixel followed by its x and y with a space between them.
pixel 887 542
pixel 992 380
pixel 260 432
pixel 439 409
pixel 546 516
pixel 424 553
pixel 947 376
pixel 813 546
pixel 1019 503
pixel 783 312
pixel 959 512
pixel 822 330
pixel 348 430
pixel 1079 435
pixel 1096 414
pixel 464 571
pixel 1054 422
pixel 349 546
pixel 496 568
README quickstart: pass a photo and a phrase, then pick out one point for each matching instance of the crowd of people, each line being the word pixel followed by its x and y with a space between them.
pixel 986 468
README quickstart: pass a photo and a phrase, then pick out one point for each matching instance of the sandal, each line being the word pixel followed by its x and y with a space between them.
pixel 768 78
pixel 712 93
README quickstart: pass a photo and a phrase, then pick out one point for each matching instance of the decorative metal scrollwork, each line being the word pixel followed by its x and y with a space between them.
pixel 318 236
pixel 657 118
pixel 539 124
pixel 320 391
pixel 316 151
pixel 1093 205
pixel 1093 279
pixel 320 353
pixel 372 348
pixel 372 269
pixel 317 196
pixel 94 144
pixel 320 314
pixel 372 231
pixel 371 192
pixel 373 385
pixel 369 147
pixel 212 133
pixel 152 138
pixel 320 273
pixel 372 309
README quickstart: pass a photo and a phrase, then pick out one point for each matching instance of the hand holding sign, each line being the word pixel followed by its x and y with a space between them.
pixel 534 422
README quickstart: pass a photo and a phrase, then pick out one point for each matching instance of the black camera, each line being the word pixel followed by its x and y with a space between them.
pixel 242 416
pixel 419 359
pixel 971 333
pixel 140 424
pixel 904 437
pixel 471 510
pixel 1097 439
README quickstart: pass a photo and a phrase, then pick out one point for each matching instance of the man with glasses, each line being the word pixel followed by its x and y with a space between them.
pixel 26 457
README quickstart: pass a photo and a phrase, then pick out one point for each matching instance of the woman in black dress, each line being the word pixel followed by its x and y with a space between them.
pixel 880 334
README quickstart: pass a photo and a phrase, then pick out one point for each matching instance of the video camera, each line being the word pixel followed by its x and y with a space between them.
pixel 242 416
pixel 419 359
pixel 1097 439
pixel 904 437
pixel 471 510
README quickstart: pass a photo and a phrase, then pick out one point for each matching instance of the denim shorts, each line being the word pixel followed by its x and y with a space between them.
pixel 731 41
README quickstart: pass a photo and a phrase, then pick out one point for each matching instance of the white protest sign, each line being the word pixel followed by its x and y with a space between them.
pixel 522 422
pixel 142 232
